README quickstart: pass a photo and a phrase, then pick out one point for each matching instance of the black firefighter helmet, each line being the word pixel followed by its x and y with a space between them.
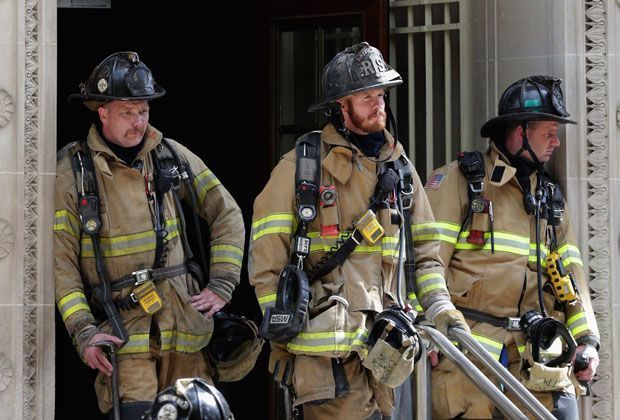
pixel 119 77
pixel 190 399
pixel 356 69
pixel 534 98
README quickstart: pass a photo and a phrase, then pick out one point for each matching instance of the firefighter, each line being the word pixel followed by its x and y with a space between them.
pixel 512 261
pixel 327 360
pixel 190 399
pixel 124 271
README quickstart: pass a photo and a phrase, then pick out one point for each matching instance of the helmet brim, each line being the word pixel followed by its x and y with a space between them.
pixel 76 98
pixel 494 124
pixel 330 102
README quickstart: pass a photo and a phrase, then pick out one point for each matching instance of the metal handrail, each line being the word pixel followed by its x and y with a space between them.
pixel 478 378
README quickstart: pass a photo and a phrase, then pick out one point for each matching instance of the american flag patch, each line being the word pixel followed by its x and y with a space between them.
pixel 434 181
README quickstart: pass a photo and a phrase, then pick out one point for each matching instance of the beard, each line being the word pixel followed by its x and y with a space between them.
pixel 370 124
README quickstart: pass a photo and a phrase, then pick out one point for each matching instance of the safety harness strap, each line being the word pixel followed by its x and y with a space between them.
pixel 141 276
pixel 509 323
pixel 88 205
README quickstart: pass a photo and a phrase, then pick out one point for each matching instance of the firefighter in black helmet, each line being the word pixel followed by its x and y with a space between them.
pixel 125 274
pixel 513 264
pixel 331 363
pixel 190 399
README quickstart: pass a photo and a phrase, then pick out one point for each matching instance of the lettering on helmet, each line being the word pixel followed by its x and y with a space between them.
pixel 280 319
pixel 371 66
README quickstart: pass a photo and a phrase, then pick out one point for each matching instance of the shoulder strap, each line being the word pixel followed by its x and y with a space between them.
pixel 307 175
pixel 88 207
pixel 184 170
pixel 471 165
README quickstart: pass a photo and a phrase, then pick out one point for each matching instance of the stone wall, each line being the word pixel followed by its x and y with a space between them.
pixel 27 165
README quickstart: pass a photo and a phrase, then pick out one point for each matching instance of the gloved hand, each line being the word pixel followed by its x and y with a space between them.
pixel 450 318
pixel 281 364
pixel 589 353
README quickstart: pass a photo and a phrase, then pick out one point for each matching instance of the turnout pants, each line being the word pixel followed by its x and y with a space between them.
pixel 339 389
pixel 455 395
pixel 140 378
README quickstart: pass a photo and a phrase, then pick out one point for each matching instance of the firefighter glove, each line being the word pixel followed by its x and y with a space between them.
pixel 281 364
pixel 450 318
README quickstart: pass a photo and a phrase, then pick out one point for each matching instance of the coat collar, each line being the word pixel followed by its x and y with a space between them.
pixel 341 154
pixel 501 172
pixel 102 154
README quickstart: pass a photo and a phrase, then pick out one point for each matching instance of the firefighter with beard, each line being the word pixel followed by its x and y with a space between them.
pixel 324 361
pixel 512 261
pixel 124 273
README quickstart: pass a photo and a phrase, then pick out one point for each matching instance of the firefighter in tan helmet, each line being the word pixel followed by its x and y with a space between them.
pixel 512 263
pixel 328 232
pixel 125 276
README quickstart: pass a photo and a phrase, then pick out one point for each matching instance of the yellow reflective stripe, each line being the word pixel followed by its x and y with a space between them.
pixel 72 303
pixel 272 224
pixel 389 246
pixel 570 255
pixel 521 349
pixel 203 182
pixel 64 220
pixel 333 341
pixel 577 323
pixel 492 346
pixel 266 301
pixel 183 342
pixel 544 250
pixel 443 231
pixel 414 302
pixel 137 343
pixel 117 246
pixel 503 242
pixel 226 254
pixel 430 281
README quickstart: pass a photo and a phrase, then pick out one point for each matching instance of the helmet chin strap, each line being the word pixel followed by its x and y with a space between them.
pixel 525 146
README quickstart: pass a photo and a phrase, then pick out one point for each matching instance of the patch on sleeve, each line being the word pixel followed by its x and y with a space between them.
pixel 434 182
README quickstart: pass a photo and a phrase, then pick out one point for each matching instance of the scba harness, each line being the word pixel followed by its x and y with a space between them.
pixel 286 320
pixel 169 172
pixel 235 345
pixel 541 331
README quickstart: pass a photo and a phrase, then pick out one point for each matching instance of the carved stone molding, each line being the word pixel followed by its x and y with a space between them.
pixel 598 194
pixel 7 238
pixel 31 200
pixel 6 108
pixel 6 372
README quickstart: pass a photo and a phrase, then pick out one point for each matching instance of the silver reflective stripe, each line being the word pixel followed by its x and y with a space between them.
pixel 332 341
pixel 135 243
pixel 226 254
pixel 272 224
pixel 203 182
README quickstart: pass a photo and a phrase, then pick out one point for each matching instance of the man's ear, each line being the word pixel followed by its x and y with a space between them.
pixel 343 105
pixel 103 114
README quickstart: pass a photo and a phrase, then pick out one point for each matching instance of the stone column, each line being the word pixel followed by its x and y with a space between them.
pixel 578 42
pixel 27 166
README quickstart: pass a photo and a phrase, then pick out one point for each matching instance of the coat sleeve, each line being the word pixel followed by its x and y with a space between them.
pixel 429 269
pixel 446 194
pixel 70 295
pixel 580 319
pixel 272 229
pixel 226 229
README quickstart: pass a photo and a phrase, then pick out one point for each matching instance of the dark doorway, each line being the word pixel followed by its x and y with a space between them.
pixel 206 59
pixel 219 66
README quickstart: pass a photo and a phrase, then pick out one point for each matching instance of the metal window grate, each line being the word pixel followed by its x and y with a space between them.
pixel 428 46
